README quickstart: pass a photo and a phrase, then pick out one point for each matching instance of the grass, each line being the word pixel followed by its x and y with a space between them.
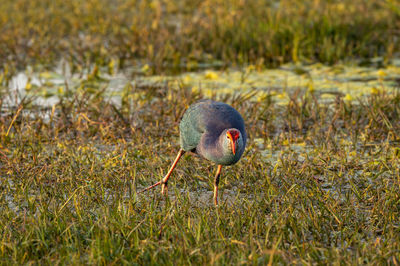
pixel 174 35
pixel 319 183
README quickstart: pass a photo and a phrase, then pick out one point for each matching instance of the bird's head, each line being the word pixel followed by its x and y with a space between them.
pixel 234 139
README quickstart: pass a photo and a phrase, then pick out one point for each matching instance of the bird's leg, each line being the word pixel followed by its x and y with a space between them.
pixel 216 182
pixel 164 181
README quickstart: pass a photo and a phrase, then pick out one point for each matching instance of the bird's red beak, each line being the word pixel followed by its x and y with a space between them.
pixel 233 146
pixel 233 136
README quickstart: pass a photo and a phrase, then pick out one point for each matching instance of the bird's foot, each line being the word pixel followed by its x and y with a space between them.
pixel 215 202
pixel 164 189
pixel 150 187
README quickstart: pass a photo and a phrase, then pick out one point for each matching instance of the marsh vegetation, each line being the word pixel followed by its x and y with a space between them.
pixel 91 94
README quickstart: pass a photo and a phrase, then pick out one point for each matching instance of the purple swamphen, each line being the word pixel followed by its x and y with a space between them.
pixel 215 131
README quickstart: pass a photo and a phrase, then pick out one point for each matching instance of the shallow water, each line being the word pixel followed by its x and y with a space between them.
pixel 326 82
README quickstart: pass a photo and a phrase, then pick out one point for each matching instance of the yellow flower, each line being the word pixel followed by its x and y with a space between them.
pixel 381 73
pixel 211 75
pixel 28 86
pixel 374 90
pixel 145 68
pixel 195 89
pixel 348 98
pixel 282 95
pixel 187 79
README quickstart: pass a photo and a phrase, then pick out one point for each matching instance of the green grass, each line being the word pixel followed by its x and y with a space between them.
pixel 173 35
pixel 69 176
pixel 319 182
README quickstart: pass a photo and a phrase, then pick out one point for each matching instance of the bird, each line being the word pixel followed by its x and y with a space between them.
pixel 213 130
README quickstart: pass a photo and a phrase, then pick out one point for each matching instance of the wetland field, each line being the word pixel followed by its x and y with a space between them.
pixel 91 95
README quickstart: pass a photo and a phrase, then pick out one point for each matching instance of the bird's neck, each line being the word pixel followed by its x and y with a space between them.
pixel 216 148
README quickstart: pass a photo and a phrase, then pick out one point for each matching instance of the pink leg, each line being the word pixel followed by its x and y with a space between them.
pixel 164 181
pixel 216 182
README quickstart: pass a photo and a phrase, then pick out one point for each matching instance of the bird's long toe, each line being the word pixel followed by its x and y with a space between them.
pixel 164 189
pixel 216 200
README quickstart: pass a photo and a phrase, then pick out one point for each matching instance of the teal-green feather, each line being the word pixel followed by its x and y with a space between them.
pixel 190 128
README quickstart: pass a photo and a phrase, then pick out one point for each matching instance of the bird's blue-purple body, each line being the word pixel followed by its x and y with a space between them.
pixel 215 131
pixel 203 130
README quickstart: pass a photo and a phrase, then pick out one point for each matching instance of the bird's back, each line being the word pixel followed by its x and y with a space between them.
pixel 208 117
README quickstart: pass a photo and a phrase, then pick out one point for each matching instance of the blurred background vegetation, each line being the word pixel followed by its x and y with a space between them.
pixel 84 124
pixel 175 34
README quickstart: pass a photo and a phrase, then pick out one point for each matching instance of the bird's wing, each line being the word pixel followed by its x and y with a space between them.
pixel 191 127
